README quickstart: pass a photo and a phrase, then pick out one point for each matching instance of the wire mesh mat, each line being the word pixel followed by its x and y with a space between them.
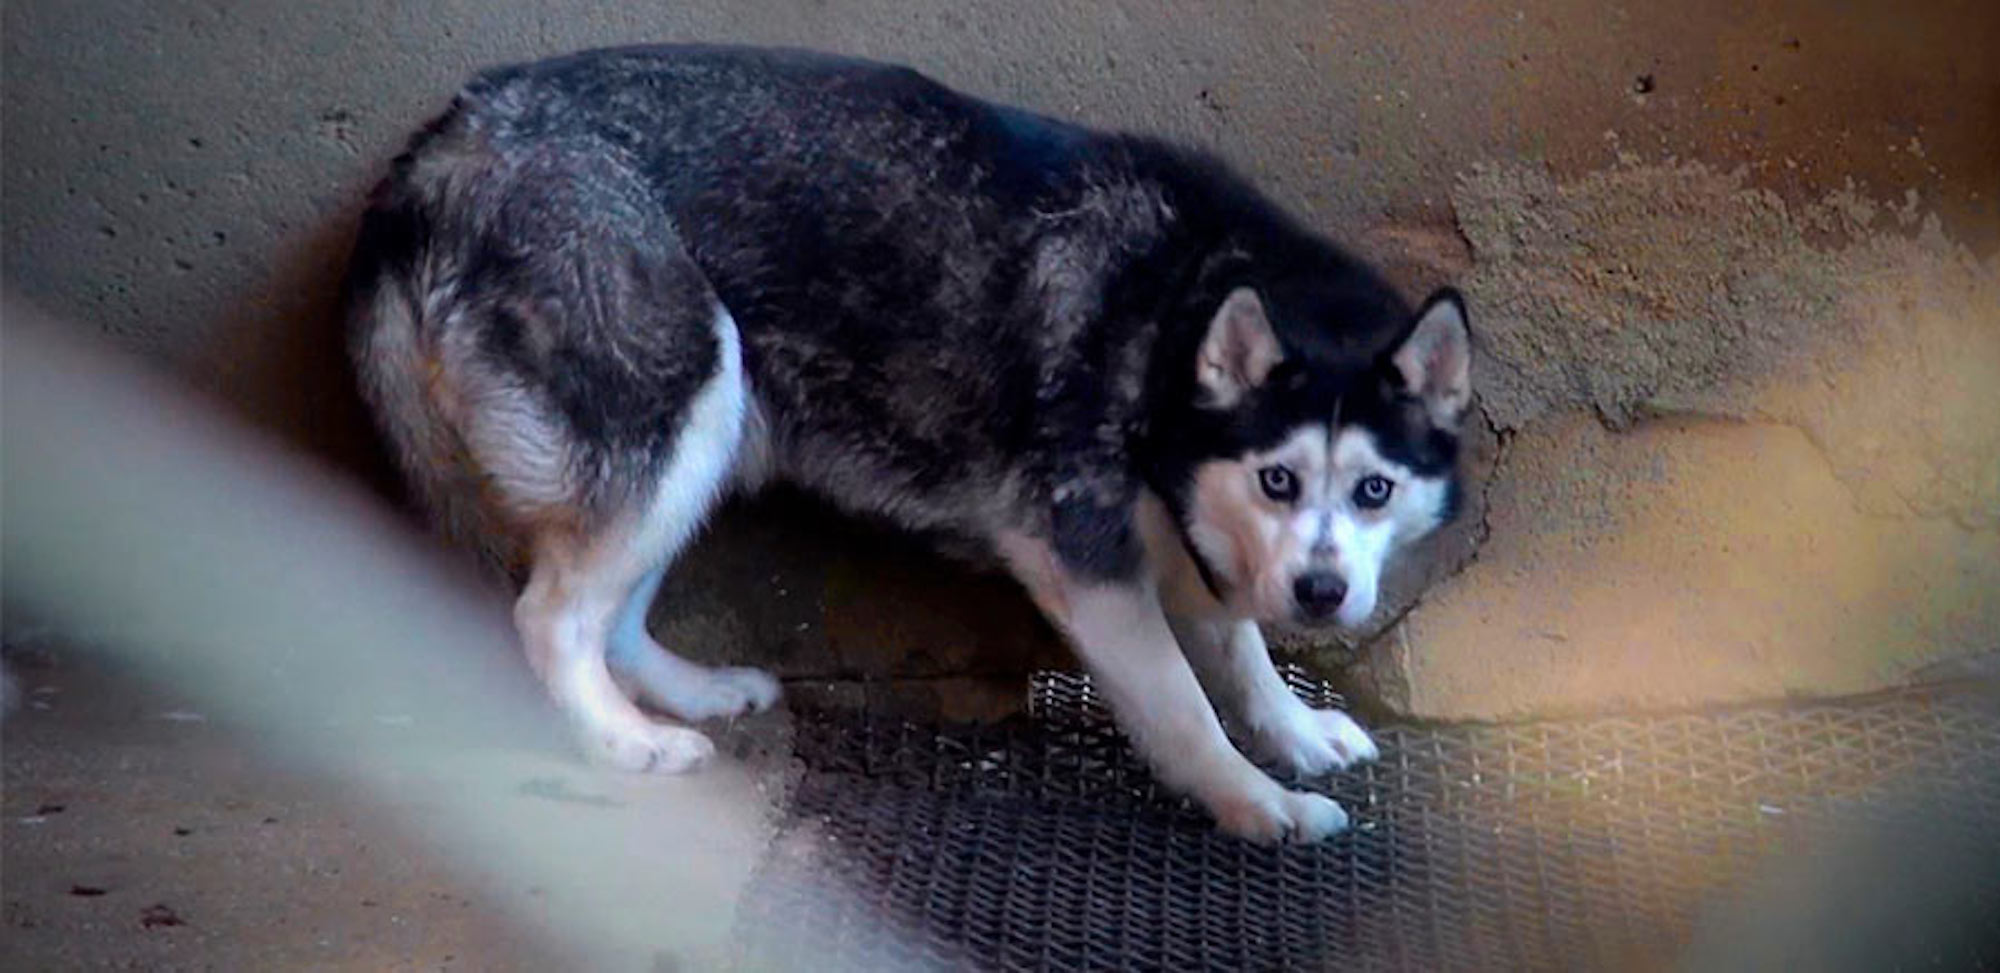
pixel 1041 843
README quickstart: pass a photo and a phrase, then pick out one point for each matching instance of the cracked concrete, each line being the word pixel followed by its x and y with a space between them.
pixel 1753 451
pixel 1684 291
pixel 1684 562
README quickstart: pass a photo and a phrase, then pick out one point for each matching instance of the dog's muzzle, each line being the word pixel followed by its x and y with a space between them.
pixel 1319 594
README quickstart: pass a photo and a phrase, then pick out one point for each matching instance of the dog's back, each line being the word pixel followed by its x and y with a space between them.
pixel 946 263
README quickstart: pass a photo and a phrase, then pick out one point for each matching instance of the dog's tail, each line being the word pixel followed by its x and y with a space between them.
pixel 394 285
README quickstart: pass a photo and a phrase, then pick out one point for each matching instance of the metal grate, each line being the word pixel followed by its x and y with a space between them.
pixel 1042 844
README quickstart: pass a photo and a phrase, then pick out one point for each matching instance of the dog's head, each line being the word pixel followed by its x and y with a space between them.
pixel 1314 450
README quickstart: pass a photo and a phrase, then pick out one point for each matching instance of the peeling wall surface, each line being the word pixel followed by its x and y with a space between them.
pixel 1732 273
pixel 1751 449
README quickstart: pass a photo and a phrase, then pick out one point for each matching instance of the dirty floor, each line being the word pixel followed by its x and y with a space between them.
pixel 139 833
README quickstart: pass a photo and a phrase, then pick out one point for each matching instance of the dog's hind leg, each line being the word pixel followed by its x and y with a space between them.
pixel 674 685
pixel 566 616
pixel 558 359
pixel 588 590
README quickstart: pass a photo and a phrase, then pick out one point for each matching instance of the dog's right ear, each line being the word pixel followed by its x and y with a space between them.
pixel 1239 351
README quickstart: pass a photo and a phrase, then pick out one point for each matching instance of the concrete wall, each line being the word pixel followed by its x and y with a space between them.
pixel 1732 274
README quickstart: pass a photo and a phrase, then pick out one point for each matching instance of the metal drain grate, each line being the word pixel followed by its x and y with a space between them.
pixel 1042 844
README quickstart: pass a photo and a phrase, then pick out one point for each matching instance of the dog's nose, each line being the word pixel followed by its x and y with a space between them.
pixel 1319 593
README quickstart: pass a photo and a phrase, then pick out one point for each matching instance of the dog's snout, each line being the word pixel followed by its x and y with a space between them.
pixel 1319 593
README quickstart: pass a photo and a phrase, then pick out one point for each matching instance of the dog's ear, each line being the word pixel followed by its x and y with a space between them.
pixel 1238 352
pixel 1435 358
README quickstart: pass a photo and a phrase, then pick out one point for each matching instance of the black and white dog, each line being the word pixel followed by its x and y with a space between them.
pixel 602 292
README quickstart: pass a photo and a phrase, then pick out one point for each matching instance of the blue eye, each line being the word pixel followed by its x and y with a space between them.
pixel 1279 484
pixel 1372 492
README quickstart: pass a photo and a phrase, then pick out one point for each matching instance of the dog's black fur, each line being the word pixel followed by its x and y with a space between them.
pixel 1004 301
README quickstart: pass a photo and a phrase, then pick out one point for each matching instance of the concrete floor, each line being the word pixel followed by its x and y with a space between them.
pixel 143 831
pixel 139 834
pixel 184 177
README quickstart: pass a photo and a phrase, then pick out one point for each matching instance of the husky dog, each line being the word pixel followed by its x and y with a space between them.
pixel 601 292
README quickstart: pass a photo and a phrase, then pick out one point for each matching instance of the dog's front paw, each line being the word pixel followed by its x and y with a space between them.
pixel 1309 742
pixel 642 746
pixel 1274 814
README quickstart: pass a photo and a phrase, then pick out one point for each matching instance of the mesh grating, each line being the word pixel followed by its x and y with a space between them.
pixel 1042 844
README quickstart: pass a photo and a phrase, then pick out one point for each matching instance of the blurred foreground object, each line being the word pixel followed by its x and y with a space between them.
pixel 189 553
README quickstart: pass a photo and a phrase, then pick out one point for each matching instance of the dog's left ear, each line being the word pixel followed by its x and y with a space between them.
pixel 1435 358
